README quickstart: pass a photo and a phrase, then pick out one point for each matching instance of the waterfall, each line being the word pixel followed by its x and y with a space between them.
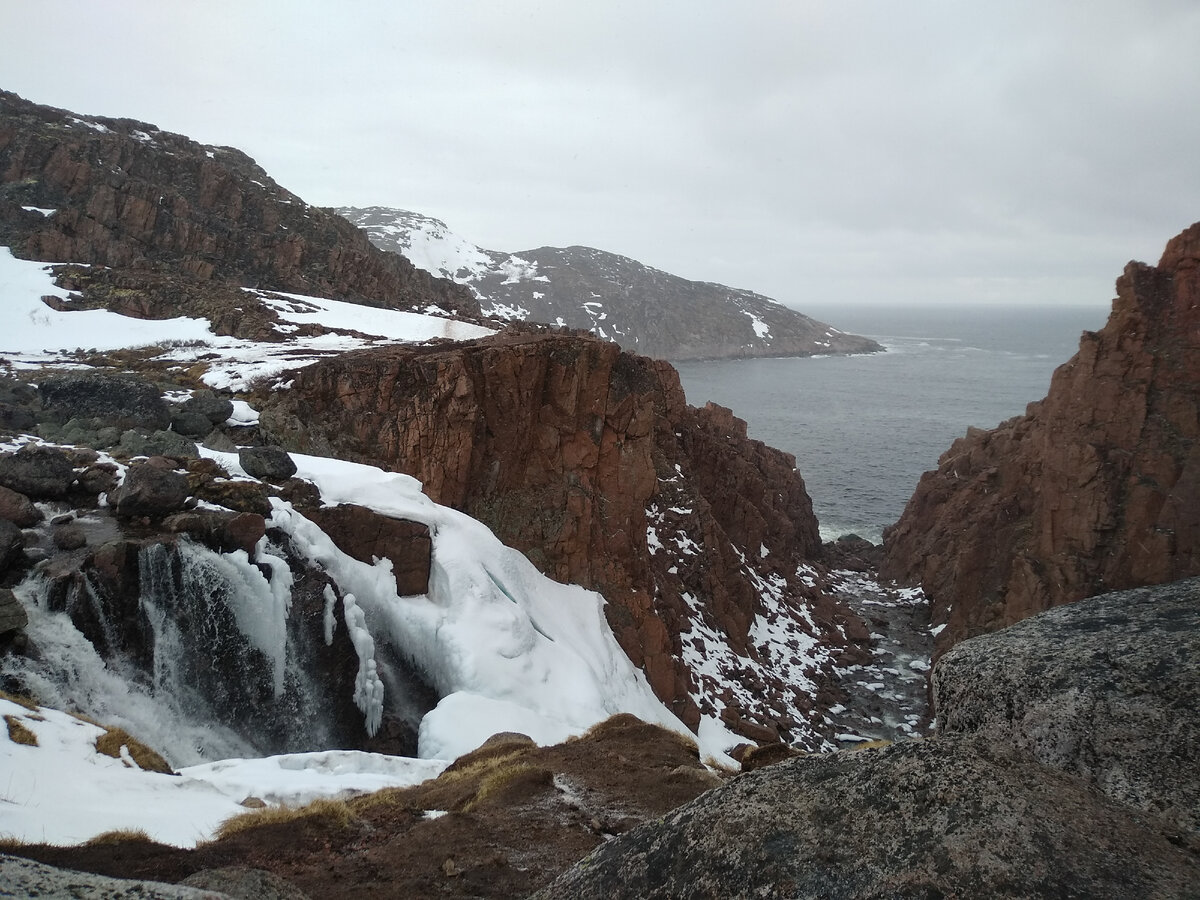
pixel 205 662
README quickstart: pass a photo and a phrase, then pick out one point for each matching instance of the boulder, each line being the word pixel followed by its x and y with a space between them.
pixel 242 496
pixel 15 507
pixel 951 817
pixel 26 878
pixel 125 401
pixel 212 407
pixel 69 537
pixel 218 530
pixel 12 542
pixel 38 471
pixel 158 443
pixel 268 463
pixel 12 614
pixel 149 490
pixel 190 422
pixel 244 883
pixel 1107 689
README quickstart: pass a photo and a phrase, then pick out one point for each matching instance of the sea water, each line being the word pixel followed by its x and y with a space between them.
pixel 864 428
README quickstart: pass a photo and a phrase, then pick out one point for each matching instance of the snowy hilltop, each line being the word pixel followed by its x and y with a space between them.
pixel 641 308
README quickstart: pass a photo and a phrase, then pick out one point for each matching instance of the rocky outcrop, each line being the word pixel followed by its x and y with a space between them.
pixel 126 195
pixel 588 460
pixel 1107 689
pixel 1095 488
pixel 643 309
pixel 367 536
pixel 951 817
pixel 26 878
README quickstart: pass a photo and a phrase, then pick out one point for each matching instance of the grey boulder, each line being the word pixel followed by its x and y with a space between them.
pixel 950 817
pixel 1107 689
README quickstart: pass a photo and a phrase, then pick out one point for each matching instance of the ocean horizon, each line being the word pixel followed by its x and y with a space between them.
pixel 864 428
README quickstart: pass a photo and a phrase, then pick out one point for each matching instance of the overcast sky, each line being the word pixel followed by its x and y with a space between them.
pixel 856 152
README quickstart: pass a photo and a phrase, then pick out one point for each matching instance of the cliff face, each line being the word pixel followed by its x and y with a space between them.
pixel 589 460
pixel 1096 488
pixel 124 194
pixel 643 309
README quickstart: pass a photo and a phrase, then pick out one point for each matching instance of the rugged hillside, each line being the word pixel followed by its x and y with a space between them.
pixel 588 459
pixel 126 195
pixel 1055 772
pixel 643 309
pixel 1095 488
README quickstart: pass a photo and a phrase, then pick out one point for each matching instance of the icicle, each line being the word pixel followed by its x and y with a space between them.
pixel 330 618
pixel 368 688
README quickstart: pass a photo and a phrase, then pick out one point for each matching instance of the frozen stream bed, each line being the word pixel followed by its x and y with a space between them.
pixel 887 698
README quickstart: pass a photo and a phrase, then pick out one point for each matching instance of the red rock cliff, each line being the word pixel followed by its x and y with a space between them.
pixel 125 194
pixel 588 460
pixel 1096 488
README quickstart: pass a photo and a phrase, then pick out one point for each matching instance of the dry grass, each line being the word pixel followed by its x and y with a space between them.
pixel 113 739
pixel 118 836
pixel 20 701
pixel 619 726
pixel 494 784
pixel 866 745
pixel 720 769
pixel 324 812
pixel 18 733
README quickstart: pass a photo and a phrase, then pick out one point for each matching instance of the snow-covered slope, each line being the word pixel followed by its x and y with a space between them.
pixel 308 329
pixel 58 789
pixel 506 648
pixel 641 308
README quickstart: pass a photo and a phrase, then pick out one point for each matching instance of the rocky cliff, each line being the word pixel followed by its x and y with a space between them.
pixel 125 195
pixel 643 309
pixel 1095 488
pixel 588 459
pixel 1064 765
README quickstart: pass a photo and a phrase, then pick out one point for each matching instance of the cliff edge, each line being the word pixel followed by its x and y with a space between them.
pixel 1096 488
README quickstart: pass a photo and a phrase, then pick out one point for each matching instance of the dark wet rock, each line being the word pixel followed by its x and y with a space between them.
pixel 244 883
pixel 12 614
pixel 158 443
pixel 39 472
pixel 220 531
pixel 952 817
pixel 269 463
pixel 191 423
pixel 69 537
pixel 149 490
pixel 854 553
pixel 98 479
pixel 16 419
pixel 15 507
pixel 125 401
pixel 1107 689
pixel 219 440
pixel 212 407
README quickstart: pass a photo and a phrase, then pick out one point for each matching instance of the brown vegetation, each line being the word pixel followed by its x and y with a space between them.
pixel 113 739
pixel 18 733
pixel 510 817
